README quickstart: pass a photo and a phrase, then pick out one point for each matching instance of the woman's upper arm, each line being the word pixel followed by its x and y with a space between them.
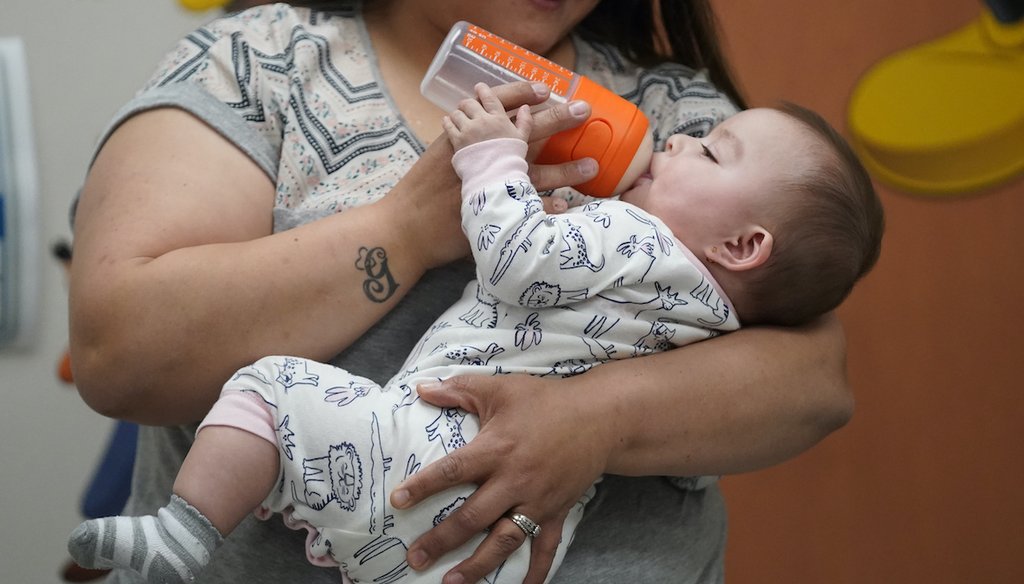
pixel 164 178
pixel 163 181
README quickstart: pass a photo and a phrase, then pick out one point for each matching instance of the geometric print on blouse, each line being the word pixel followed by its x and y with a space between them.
pixel 323 108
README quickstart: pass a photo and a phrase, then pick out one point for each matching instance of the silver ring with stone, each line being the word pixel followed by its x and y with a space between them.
pixel 529 526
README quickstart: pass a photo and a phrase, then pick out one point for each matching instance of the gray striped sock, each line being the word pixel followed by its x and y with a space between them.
pixel 171 547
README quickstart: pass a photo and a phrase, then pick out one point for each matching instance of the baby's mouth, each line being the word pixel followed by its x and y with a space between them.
pixel 643 179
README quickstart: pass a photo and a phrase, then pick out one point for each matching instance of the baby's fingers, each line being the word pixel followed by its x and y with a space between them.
pixel 524 122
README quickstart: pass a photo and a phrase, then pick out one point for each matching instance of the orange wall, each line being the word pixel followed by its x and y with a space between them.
pixel 927 482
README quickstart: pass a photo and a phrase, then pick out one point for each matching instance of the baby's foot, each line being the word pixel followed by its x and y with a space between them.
pixel 171 547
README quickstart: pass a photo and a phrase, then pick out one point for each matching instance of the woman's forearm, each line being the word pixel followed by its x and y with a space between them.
pixel 735 403
pixel 161 335
pixel 177 282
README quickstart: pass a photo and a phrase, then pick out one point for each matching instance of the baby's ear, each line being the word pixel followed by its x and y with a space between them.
pixel 745 251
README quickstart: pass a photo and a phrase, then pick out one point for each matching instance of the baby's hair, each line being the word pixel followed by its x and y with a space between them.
pixel 825 238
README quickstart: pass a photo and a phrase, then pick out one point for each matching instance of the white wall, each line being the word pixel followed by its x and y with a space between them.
pixel 85 58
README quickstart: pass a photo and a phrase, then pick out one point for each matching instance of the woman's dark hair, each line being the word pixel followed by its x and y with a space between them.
pixel 688 34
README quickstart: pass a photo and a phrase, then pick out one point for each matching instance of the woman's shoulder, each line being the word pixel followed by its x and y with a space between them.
pixel 244 49
pixel 274 28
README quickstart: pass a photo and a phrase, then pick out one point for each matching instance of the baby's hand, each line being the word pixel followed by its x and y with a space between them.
pixel 484 118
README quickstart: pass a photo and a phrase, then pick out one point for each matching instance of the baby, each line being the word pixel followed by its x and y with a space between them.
pixel 768 220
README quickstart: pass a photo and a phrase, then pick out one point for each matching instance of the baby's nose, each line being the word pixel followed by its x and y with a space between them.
pixel 676 144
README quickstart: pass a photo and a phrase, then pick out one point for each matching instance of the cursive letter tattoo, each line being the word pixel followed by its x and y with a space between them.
pixel 380 284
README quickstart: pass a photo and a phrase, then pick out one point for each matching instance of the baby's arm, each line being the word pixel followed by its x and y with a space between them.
pixel 523 254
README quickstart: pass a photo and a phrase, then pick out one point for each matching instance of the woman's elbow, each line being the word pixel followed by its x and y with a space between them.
pixel 837 404
pixel 120 377
pixel 102 359
pixel 99 382
pixel 833 403
pixel 839 411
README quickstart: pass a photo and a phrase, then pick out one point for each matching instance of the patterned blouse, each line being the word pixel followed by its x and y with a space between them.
pixel 300 92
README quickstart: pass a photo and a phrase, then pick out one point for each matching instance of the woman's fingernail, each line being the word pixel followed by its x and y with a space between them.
pixel 541 90
pixel 454 578
pixel 559 204
pixel 400 498
pixel 430 385
pixel 418 559
pixel 587 166
pixel 578 108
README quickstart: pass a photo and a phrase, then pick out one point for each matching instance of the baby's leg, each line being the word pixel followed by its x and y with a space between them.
pixel 227 473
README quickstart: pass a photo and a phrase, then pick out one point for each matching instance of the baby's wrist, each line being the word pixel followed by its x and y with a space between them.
pixel 478 163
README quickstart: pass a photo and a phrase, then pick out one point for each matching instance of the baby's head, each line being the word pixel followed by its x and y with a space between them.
pixel 776 205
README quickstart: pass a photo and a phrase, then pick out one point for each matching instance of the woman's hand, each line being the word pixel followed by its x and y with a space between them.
pixel 537 452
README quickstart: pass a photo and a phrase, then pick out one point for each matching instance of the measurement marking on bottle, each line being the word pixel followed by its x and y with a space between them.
pixel 528 65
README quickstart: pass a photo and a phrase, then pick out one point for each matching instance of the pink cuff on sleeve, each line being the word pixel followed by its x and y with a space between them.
pixel 483 163
pixel 244 410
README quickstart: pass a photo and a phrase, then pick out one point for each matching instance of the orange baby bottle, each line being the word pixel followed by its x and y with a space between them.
pixel 613 135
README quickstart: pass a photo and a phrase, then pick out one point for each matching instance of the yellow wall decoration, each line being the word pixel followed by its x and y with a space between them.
pixel 202 5
pixel 945 117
